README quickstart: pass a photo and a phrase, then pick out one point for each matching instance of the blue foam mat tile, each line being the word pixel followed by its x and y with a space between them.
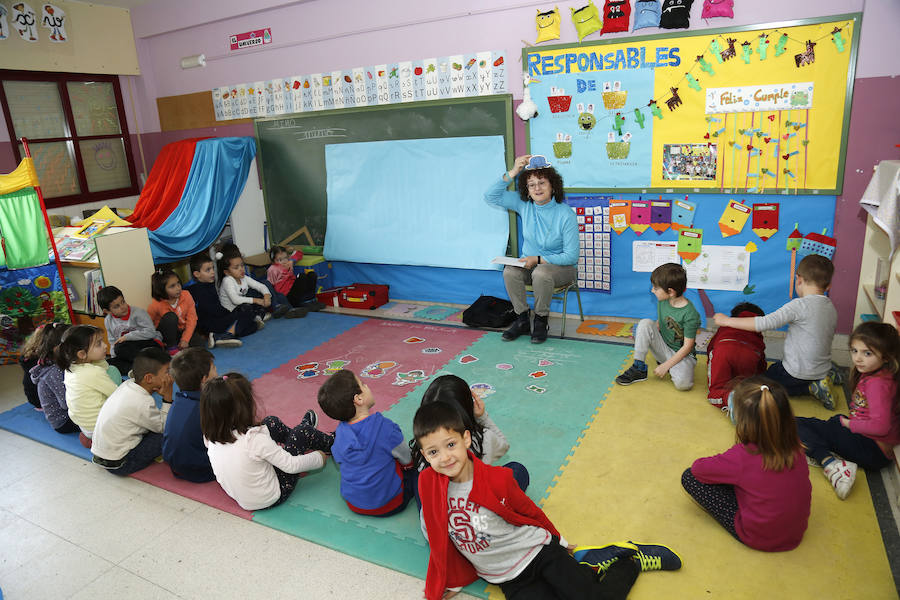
pixel 26 421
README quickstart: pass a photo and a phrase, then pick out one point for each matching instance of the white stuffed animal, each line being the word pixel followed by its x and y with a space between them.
pixel 528 108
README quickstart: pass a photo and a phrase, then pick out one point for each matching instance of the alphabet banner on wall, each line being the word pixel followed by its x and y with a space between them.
pixel 769 102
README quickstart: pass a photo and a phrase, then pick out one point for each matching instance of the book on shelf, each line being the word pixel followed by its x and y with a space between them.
pixel 93 228
pixel 75 249
pixel 93 283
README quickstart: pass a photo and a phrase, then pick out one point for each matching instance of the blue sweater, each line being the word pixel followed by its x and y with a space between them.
pixel 183 445
pixel 362 450
pixel 550 231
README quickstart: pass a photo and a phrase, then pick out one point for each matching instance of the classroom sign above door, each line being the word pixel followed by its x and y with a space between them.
pixel 758 109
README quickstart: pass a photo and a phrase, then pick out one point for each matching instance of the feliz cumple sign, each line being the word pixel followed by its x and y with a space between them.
pixel 612 115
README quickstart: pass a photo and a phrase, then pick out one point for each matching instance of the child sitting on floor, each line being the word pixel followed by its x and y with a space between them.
pixel 173 312
pixel 28 359
pixel 224 327
pixel 496 532
pixel 733 353
pixel 671 337
pixel 88 378
pixel 237 290
pixel 48 377
pixel 129 329
pixel 300 290
pixel 257 464
pixel 867 437
pixel 128 435
pixel 811 319
pixel 758 490
pixel 377 477
pixel 183 447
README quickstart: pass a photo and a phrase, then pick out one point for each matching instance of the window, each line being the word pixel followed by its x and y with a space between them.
pixel 76 131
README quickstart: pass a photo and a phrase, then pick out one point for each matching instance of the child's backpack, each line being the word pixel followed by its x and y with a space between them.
pixel 676 14
pixel 616 14
pixel 489 311
pixel 718 8
pixel 646 14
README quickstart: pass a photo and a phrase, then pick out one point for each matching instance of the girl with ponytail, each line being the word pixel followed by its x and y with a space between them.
pixel 759 489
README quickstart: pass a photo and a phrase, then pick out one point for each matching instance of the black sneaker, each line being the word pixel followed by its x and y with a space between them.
pixel 631 375
pixel 314 306
pixel 310 418
pixel 520 326
pixel 280 311
pixel 539 330
pixel 296 313
pixel 226 340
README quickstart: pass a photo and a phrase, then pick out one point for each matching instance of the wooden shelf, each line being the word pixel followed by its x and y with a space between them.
pixel 877 303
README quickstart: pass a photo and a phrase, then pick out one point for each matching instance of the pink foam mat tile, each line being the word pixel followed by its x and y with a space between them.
pixel 391 357
pixel 209 493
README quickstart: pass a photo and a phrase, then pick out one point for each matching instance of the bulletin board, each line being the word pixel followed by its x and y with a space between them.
pixel 754 109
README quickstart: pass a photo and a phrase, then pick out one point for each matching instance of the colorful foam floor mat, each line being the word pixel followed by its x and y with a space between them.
pixel 605 461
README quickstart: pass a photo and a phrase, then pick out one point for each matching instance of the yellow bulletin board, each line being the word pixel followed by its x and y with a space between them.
pixel 756 109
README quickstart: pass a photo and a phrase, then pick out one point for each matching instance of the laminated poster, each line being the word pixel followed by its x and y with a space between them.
pixel 646 256
pixel 719 268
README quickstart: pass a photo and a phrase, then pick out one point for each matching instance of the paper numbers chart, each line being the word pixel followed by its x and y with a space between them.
pixel 595 257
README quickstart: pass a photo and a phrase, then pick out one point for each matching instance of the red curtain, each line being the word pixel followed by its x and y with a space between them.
pixel 165 185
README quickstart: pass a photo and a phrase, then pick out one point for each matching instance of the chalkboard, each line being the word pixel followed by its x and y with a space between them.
pixel 291 149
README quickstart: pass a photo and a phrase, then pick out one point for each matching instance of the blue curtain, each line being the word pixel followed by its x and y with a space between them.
pixel 216 180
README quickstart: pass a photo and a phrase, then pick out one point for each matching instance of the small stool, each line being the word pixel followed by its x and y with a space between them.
pixel 562 293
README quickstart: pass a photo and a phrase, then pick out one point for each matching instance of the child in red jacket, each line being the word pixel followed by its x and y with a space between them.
pixel 496 532
pixel 734 353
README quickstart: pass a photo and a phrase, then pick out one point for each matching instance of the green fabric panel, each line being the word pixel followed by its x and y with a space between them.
pixel 22 229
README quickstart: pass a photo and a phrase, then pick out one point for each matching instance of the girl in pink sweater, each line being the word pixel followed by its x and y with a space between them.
pixel 758 489
pixel 867 437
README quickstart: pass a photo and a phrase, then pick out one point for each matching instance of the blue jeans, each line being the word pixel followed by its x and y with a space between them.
pixel 794 386
pixel 142 455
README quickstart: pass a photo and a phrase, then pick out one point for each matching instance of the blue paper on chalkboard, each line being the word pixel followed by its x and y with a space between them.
pixel 416 202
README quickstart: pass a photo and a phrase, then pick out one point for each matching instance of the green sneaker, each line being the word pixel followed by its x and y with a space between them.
pixel 600 558
pixel 654 557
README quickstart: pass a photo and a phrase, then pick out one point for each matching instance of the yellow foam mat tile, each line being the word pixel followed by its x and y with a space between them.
pixel 623 482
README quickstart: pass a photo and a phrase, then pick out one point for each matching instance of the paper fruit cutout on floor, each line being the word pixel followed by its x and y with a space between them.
pixel 733 218
pixel 378 369
pixel 431 350
pixel 544 362
pixel 413 340
pixel 558 100
pixel 467 358
pixel 683 213
pixel 505 366
pixel 536 389
pixel 690 242
pixel 619 214
pixel 586 20
pixel 765 219
pixel 333 366
pixel 660 215
pixel 482 390
pixel 538 374
pixel 414 376
pixel 640 216
pixel 547 24
pixel 307 370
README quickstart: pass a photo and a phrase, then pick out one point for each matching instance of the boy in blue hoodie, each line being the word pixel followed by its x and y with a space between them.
pixel 377 475
pixel 183 447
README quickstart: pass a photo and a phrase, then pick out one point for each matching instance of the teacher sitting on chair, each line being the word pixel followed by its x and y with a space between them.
pixel 550 249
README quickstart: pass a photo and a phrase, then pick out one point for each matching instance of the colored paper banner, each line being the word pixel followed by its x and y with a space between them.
pixel 640 216
pixel 683 213
pixel 765 220
pixel 690 242
pixel 756 98
pixel 619 215
pixel 458 76
pixel 250 39
pixel 660 215
pixel 734 217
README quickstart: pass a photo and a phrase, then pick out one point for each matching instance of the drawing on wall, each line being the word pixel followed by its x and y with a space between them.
pixel 54 19
pixel 4 26
pixel 24 20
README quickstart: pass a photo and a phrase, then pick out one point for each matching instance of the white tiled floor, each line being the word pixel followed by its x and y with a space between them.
pixel 71 530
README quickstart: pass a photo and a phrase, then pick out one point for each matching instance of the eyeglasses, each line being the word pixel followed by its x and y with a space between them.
pixel 533 185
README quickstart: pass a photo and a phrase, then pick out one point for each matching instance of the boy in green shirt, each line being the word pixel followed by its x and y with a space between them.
pixel 671 337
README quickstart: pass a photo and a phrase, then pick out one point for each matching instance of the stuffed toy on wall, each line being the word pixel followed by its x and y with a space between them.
pixel 616 15
pixel 547 25
pixel 717 8
pixel 587 20
pixel 646 14
pixel 676 14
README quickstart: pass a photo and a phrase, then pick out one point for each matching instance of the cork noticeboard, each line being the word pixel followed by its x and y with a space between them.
pixel 189 111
